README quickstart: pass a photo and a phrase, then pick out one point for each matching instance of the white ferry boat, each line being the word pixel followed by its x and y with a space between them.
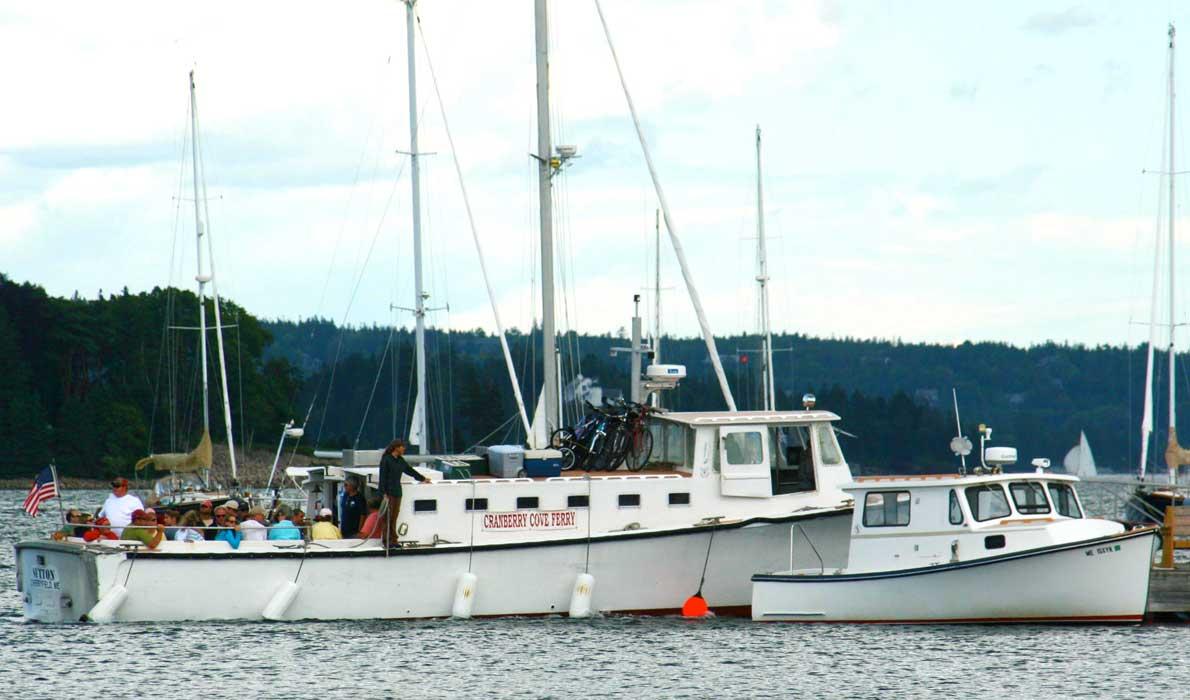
pixel 741 488
pixel 969 549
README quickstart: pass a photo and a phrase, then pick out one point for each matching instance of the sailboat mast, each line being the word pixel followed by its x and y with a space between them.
pixel 1172 278
pixel 200 277
pixel 545 174
pixel 657 290
pixel 200 202
pixel 762 278
pixel 419 301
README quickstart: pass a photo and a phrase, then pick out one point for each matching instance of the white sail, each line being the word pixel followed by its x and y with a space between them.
pixel 539 436
pixel 416 423
pixel 1079 460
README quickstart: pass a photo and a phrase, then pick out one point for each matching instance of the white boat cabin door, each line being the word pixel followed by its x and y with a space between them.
pixel 744 461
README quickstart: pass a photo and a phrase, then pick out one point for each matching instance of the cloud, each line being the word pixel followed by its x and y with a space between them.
pixel 1055 23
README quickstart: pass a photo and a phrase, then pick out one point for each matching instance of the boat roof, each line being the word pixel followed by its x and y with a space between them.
pixel 874 483
pixel 747 417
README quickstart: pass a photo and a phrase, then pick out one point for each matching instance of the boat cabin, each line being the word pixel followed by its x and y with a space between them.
pixel 906 522
pixel 712 465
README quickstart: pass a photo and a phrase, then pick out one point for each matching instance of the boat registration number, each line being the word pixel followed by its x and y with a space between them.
pixel 1108 549
pixel 45 578
pixel 535 520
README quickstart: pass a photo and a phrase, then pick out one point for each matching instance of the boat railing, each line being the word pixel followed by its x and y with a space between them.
pixel 795 526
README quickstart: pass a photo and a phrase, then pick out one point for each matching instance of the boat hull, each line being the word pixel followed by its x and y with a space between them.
pixel 635 572
pixel 1100 580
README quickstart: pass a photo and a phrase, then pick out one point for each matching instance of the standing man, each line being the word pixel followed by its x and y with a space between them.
pixel 392 466
pixel 354 510
pixel 120 505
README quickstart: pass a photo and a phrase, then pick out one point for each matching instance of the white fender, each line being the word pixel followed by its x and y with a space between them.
pixel 464 596
pixel 280 602
pixel 105 610
pixel 580 598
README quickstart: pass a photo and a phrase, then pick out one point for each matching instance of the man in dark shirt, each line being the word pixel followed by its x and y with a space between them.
pixel 392 466
pixel 355 509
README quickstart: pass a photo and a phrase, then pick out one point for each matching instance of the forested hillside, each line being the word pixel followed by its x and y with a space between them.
pixel 95 384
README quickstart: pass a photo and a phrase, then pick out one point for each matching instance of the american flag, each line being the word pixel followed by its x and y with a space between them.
pixel 43 489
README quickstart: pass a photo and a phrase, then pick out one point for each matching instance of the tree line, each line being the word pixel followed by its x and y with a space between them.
pixel 95 384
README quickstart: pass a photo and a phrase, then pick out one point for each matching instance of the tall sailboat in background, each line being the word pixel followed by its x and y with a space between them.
pixel 1175 454
pixel 175 490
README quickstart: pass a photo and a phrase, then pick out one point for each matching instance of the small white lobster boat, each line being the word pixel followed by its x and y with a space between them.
pixel 970 549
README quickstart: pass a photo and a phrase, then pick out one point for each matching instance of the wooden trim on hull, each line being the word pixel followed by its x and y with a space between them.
pixel 1076 619
pixel 308 552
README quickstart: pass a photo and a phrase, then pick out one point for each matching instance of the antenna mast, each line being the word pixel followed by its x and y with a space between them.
pixel 1173 429
pixel 762 278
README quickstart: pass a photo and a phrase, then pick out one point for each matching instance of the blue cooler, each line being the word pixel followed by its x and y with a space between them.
pixel 543 463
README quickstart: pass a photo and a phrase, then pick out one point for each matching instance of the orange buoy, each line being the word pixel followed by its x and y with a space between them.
pixel 695 606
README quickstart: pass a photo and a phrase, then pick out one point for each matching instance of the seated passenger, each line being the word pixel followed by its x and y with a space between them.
pixel 283 528
pixel 101 531
pixel 190 529
pixel 372 525
pixel 323 528
pixel 169 519
pixel 75 525
pixel 254 528
pixel 144 529
pixel 206 514
pixel 230 532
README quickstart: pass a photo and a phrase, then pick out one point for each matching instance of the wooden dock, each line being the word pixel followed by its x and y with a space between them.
pixel 1169 591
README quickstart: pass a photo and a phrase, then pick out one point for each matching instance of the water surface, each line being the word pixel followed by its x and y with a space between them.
pixel 561 658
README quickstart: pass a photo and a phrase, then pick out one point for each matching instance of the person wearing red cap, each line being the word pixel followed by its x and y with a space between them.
pixel 101 531
pixel 120 504
pixel 145 529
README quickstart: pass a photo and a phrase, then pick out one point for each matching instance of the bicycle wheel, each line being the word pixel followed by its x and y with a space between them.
pixel 641 450
pixel 618 445
pixel 568 458
pixel 562 437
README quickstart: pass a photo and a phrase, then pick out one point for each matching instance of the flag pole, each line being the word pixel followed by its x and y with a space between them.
pixel 58 492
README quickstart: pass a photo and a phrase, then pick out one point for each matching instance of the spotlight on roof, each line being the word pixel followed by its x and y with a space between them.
pixel 808 401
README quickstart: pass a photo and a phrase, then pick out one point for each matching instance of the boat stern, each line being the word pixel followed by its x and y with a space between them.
pixel 57 581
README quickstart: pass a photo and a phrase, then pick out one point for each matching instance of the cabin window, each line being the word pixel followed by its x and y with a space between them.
pixel 956 510
pixel 471 504
pixel 526 502
pixel 994 542
pixel 578 501
pixel 670 444
pixel 425 505
pixel 791 459
pixel 629 500
pixel 679 499
pixel 828 448
pixel 745 447
pixel 1064 501
pixel 886 509
pixel 1028 497
pixel 987 501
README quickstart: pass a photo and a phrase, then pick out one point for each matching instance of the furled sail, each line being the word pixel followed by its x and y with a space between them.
pixel 196 460
pixel 538 436
pixel 1175 454
pixel 415 423
pixel 1079 460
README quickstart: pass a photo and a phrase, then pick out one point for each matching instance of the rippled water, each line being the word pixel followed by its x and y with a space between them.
pixel 556 657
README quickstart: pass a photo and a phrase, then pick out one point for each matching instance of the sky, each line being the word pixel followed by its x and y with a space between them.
pixel 932 171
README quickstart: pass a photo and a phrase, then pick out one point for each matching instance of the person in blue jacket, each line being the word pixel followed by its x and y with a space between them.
pixel 231 534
